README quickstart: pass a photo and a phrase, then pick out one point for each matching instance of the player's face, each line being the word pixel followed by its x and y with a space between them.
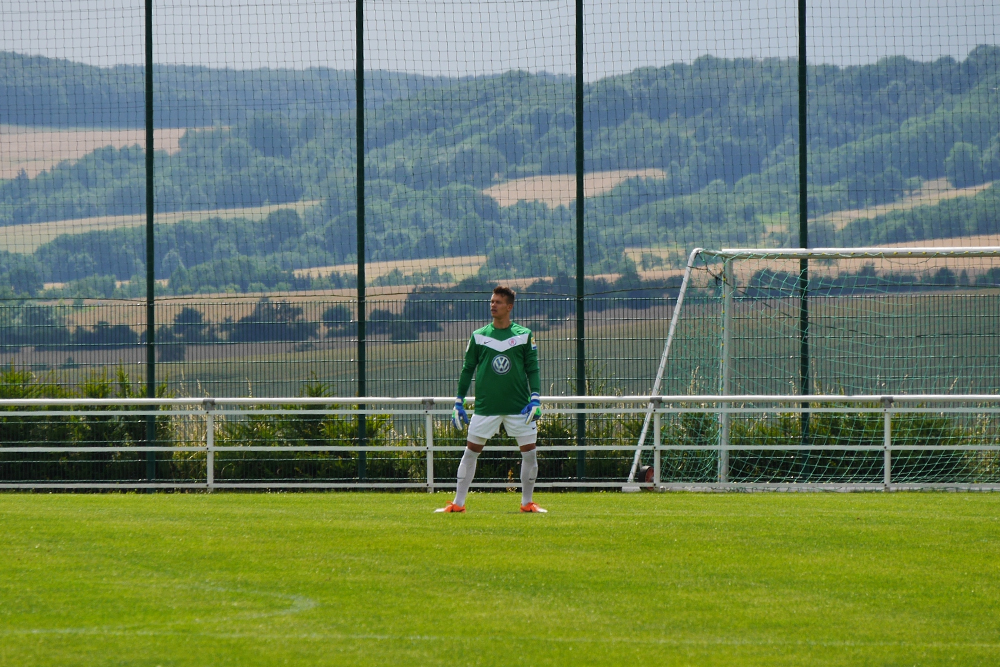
pixel 499 306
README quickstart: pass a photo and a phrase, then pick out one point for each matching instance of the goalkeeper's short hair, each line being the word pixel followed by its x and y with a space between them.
pixel 505 292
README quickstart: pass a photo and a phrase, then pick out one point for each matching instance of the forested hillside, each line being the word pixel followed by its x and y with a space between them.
pixel 35 90
pixel 723 132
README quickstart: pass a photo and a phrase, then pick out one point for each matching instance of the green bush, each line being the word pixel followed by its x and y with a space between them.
pixel 295 429
pixel 73 430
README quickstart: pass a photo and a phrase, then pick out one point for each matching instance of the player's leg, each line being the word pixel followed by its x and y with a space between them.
pixel 481 429
pixel 467 470
pixel 529 473
pixel 526 436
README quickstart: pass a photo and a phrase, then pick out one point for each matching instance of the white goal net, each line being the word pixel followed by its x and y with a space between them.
pixel 832 322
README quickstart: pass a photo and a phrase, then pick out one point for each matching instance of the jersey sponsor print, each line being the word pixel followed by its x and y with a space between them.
pixel 501 364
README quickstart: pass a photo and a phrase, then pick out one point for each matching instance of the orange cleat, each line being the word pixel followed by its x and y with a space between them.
pixel 532 507
pixel 452 507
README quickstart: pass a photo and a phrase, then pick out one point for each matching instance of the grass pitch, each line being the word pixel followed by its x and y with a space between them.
pixel 314 579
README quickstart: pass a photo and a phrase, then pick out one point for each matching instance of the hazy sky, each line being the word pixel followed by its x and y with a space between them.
pixel 460 37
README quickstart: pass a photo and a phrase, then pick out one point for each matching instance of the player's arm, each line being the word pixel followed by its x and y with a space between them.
pixel 458 414
pixel 531 365
pixel 533 410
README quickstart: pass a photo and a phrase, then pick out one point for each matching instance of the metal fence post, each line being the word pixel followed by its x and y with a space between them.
pixel 429 435
pixel 150 253
pixel 887 442
pixel 359 90
pixel 805 387
pixel 657 442
pixel 209 404
pixel 581 365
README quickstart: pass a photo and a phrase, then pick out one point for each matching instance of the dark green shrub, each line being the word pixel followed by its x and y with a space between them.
pixel 297 429
pixel 74 430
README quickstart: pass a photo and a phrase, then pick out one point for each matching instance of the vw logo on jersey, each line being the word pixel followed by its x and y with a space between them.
pixel 501 365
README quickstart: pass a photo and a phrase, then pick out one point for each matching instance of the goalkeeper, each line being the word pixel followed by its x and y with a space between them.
pixel 503 357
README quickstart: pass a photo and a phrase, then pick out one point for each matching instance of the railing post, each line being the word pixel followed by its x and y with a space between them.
pixel 887 442
pixel 209 405
pixel 429 435
pixel 657 442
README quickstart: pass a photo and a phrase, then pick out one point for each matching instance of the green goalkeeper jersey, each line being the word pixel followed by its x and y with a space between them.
pixel 505 365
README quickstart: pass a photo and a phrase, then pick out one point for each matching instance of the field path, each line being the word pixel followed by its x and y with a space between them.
pixel 560 189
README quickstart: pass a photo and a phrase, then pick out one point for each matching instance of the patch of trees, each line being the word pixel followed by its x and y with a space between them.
pixel 268 322
pixel 20 274
pixel 43 327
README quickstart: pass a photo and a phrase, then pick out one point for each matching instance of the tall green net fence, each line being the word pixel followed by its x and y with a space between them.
pixel 438 148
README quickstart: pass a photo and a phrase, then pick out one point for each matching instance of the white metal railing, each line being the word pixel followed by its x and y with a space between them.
pixel 429 408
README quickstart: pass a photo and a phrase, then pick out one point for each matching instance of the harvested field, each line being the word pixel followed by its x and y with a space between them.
pixel 560 189
pixel 215 308
pixel 27 238
pixel 35 149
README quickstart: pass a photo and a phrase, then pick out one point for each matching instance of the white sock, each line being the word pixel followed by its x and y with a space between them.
pixel 466 471
pixel 529 473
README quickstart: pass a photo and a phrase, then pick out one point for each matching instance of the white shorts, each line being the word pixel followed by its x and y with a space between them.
pixel 483 428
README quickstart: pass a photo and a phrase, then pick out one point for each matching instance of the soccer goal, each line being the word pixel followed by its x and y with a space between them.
pixel 828 321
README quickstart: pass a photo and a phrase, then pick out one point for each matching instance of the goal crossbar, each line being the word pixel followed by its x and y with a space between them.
pixel 839 253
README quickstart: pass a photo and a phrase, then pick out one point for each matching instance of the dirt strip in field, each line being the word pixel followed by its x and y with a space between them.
pixel 560 189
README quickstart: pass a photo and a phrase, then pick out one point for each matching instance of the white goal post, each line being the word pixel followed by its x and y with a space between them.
pixel 767 282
